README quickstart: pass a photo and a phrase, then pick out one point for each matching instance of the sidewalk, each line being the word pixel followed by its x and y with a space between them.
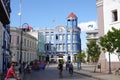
pixel 88 70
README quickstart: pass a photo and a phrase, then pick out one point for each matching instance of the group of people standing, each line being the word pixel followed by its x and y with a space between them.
pixel 69 66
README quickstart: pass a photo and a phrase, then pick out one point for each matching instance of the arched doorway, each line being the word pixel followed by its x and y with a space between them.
pixel 60 56
pixel 69 58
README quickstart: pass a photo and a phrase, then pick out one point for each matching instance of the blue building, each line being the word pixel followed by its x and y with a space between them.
pixel 62 41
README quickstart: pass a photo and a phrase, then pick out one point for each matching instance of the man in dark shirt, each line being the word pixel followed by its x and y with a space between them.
pixel 60 68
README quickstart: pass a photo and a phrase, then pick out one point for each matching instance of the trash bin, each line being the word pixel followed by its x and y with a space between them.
pixel 99 66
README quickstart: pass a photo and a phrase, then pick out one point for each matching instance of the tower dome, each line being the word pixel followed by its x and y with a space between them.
pixel 72 20
pixel 72 15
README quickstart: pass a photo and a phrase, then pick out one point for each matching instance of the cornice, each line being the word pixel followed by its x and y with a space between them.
pixel 99 3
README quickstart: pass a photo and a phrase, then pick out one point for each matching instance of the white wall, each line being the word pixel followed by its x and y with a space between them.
pixel 108 6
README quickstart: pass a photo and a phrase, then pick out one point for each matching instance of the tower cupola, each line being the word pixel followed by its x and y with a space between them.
pixel 72 20
pixel 72 15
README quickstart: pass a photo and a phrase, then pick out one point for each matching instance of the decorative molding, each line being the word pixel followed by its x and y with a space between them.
pixel 100 3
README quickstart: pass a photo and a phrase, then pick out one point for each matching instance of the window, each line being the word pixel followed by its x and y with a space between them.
pixel 56 37
pixel 24 42
pixel 69 47
pixel 27 42
pixel 64 47
pixel 74 47
pixel 47 38
pixel 17 39
pixel 30 43
pixel 74 37
pixel 57 47
pixel 52 37
pixel 63 37
pixel 18 56
pixel 114 15
pixel 68 37
pixel 52 47
pixel 47 47
pixel 47 33
pixel 60 37
pixel 60 47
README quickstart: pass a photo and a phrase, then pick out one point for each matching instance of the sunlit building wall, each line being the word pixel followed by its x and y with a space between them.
pixel 29 46
pixel 108 17
pixel 62 41
pixel 92 35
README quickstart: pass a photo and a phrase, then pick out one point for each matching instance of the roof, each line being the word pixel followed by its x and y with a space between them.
pixel 72 15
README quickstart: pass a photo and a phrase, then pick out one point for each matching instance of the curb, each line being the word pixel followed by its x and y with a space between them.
pixel 88 75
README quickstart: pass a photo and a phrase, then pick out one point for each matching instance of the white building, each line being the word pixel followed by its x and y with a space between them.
pixel 108 17
pixel 28 49
pixel 92 35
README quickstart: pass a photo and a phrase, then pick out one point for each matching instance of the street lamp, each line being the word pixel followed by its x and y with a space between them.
pixel 23 29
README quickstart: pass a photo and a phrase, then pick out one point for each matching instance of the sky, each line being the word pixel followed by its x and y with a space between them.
pixel 50 13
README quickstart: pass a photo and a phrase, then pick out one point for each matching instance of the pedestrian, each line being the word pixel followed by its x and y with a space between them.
pixel 20 67
pixel 60 68
pixel 11 75
pixel 70 67
pixel 47 60
pixel 67 64
pixel 25 67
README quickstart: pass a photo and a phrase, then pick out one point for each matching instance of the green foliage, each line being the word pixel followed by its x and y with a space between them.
pixel 81 56
pixel 111 41
pixel 93 50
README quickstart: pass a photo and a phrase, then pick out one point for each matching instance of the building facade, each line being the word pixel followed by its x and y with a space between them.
pixel 29 46
pixel 108 17
pixel 92 35
pixel 61 41
pixel 5 54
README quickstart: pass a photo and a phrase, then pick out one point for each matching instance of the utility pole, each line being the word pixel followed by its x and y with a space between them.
pixel 20 4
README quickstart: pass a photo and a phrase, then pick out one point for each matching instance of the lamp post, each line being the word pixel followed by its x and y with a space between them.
pixel 21 31
pixel 19 14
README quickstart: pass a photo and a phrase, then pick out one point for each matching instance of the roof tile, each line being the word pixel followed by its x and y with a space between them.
pixel 72 15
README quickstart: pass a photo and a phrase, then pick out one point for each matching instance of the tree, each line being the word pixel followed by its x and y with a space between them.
pixel 115 39
pixel 110 43
pixel 81 56
pixel 93 51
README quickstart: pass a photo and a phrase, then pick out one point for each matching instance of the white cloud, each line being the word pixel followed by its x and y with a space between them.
pixel 90 25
